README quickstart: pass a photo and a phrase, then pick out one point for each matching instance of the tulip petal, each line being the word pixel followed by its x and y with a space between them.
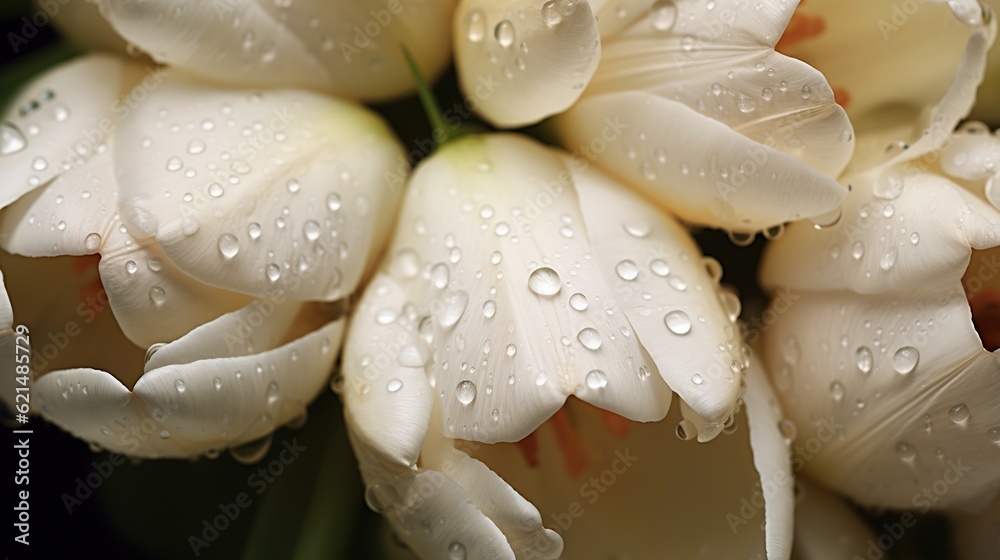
pixel 671 301
pixel 519 521
pixel 897 389
pixel 387 398
pixel 349 49
pixel 60 120
pixel 524 60
pixel 717 177
pixel 771 460
pixel 255 192
pixel 457 527
pixel 826 528
pixel 719 60
pixel 918 233
pixel 502 262
pixel 77 214
pixel 169 411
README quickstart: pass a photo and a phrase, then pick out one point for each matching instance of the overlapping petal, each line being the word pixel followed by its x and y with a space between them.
pixel 511 303
pixel 77 214
pixel 899 391
pixel 524 60
pixel 349 49
pixel 775 134
pixel 254 192
pixel 51 126
pixel 229 382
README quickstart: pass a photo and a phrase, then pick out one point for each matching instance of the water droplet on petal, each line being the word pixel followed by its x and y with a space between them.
pixel 863 358
pixel 663 15
pixel 596 379
pixel 905 359
pixel 678 322
pixel 906 452
pixel 229 245
pixel 544 281
pixel 92 242
pixel 959 414
pixel 465 392
pixel 578 301
pixel 589 338
pixel 627 270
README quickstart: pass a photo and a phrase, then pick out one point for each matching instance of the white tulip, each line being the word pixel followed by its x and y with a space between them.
pixel 351 49
pixel 217 214
pixel 519 277
pixel 882 339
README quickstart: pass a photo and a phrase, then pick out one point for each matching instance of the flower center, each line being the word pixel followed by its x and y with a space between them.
pixel 982 288
pixel 574 456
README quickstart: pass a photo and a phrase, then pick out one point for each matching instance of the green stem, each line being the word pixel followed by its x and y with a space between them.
pixel 427 99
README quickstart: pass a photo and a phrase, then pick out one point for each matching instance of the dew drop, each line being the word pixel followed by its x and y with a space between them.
pixel 837 390
pixel 92 242
pixel 659 267
pixel 504 33
pixel 157 294
pixel 959 414
pixel 229 245
pixel 863 358
pixel 465 392
pixel 627 270
pixel 273 272
pixel 589 338
pixel 596 379
pixel 394 385
pixel 905 359
pixel 544 281
pixel 489 308
pixel 456 551
pixel 663 15
pixel 12 140
pixel 550 13
pixel 905 452
pixel 857 250
pixel 578 301
pixel 476 23
pixel 678 322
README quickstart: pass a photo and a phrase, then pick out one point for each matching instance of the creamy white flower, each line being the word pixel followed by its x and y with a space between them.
pixel 687 101
pixel 245 192
pixel 351 49
pixel 881 339
pixel 518 278
pixel 212 211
